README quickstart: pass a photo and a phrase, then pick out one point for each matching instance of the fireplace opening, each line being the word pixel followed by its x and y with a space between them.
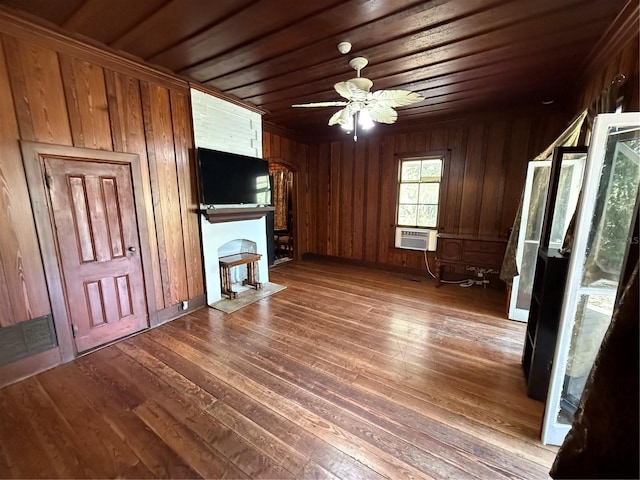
pixel 238 266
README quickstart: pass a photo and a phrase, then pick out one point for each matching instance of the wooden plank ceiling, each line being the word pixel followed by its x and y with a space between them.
pixel 462 55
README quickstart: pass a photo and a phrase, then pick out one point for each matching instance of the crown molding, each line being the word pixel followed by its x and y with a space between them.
pixel 27 27
pixel 33 29
pixel 622 31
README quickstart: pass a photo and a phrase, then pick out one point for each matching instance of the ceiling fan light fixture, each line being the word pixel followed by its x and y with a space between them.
pixel 365 120
pixel 346 121
pixel 362 107
pixel 358 63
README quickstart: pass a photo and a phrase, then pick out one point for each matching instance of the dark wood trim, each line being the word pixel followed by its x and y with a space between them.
pixel 48 247
pixel 221 215
pixel 175 311
pixel 622 31
pixel 26 367
pixel 32 158
pixel 386 267
pixel 34 30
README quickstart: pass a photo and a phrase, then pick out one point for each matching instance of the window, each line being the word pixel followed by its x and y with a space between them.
pixel 419 191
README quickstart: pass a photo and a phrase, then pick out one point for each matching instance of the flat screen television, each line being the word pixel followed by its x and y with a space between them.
pixel 231 179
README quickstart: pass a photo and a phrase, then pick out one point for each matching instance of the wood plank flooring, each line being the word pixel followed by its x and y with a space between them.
pixel 348 373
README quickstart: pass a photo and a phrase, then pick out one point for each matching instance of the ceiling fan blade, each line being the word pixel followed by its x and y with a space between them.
pixel 395 98
pixel 382 114
pixel 321 104
pixel 336 117
pixel 354 89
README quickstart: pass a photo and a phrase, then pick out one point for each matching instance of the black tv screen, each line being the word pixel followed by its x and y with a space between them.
pixel 228 178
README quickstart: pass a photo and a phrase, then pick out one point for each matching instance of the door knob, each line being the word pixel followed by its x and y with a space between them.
pixel 132 249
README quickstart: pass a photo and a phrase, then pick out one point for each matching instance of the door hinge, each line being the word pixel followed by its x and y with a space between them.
pixel 74 329
pixel 47 179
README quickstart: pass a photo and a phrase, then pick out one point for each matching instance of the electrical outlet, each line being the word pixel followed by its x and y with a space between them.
pixel 184 305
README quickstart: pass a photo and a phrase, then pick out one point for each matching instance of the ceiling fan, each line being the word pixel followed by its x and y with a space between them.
pixel 362 106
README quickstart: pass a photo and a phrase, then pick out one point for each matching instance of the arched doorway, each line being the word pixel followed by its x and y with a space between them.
pixel 284 198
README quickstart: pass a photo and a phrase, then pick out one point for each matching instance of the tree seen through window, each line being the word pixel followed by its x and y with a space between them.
pixel 419 192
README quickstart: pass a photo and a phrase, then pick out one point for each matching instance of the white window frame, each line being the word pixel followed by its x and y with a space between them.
pixel 427 156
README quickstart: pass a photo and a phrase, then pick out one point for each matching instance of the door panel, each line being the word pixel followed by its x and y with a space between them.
pixel 97 235
pixel 602 236
pixel 533 212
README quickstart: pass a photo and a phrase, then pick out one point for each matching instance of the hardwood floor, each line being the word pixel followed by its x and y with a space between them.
pixel 348 373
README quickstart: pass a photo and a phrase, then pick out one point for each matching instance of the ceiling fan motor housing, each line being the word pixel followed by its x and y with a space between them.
pixel 358 63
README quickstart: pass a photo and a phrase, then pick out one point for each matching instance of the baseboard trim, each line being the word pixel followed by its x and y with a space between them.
pixel 29 366
pixel 362 263
pixel 175 311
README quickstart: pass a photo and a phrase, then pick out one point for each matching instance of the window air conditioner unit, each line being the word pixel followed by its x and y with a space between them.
pixel 416 238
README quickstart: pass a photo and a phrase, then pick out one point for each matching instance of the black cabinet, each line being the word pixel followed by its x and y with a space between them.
pixel 544 317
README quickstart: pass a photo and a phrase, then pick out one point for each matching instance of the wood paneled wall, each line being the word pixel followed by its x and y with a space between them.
pixel 347 190
pixel 278 145
pixel 617 53
pixel 55 91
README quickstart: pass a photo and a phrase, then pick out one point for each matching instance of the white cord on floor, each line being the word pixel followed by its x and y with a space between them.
pixel 463 283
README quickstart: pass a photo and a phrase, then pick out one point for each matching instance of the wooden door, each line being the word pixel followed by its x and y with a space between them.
pixel 96 229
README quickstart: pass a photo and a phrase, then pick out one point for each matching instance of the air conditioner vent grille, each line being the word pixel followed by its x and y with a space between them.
pixel 416 238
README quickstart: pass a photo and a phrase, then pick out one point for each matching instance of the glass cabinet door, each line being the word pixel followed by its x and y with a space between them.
pixel 601 240
pixel 533 211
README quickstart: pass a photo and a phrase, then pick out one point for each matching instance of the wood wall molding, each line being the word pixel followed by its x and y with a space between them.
pixel 402 269
pixel 174 311
pixel 28 366
pixel 622 31
pixel 51 37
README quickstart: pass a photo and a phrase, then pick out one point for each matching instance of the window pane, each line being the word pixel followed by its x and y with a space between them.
pixel 537 203
pixel 427 215
pixel 563 207
pixel 409 192
pixel 407 214
pixel 431 170
pixel 616 198
pixel 419 192
pixel 429 193
pixel 410 171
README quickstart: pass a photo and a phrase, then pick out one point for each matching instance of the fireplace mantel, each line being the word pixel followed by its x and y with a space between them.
pixel 221 215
